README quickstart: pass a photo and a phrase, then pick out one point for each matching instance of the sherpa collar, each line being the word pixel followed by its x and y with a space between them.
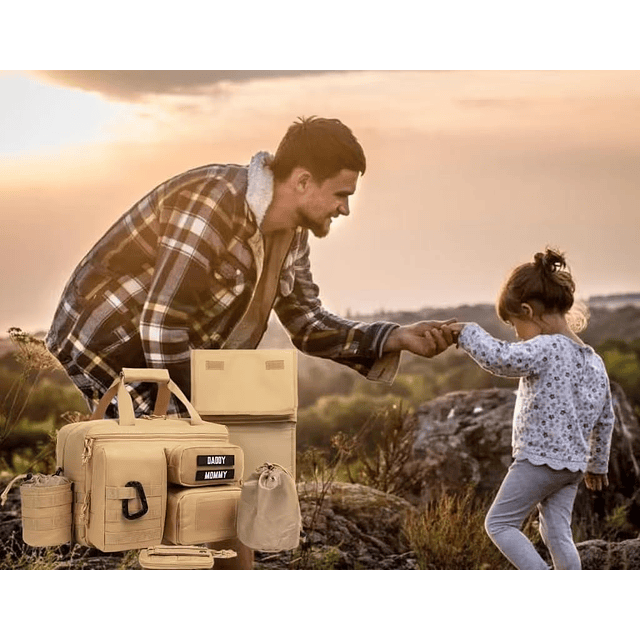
pixel 260 185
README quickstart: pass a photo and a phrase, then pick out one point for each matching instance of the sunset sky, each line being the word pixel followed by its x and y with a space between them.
pixel 468 173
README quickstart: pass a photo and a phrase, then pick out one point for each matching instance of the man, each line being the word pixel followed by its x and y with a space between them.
pixel 202 260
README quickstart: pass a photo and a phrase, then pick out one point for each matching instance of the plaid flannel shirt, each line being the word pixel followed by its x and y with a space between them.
pixel 177 271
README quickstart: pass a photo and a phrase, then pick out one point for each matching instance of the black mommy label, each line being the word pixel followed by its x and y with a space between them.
pixel 217 474
pixel 216 461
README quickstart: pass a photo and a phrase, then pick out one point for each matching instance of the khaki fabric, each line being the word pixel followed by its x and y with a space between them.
pixel 261 440
pixel 245 382
pixel 46 510
pixel 119 467
pixel 205 514
pixel 254 393
pixel 269 516
pixel 172 557
pixel 196 466
pixel 181 557
pixel 115 467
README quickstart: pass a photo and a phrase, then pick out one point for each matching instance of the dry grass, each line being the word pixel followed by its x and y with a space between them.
pixel 16 555
pixel 34 359
pixel 449 534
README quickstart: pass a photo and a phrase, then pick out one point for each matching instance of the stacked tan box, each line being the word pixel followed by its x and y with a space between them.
pixel 254 393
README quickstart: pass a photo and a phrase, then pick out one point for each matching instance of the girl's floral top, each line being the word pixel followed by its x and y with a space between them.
pixel 563 415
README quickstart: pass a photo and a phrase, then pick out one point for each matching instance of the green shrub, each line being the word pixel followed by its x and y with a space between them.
pixel 333 414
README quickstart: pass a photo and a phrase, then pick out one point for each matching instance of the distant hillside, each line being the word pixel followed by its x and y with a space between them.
pixel 616 301
pixel 608 319
pixel 605 322
pixel 611 317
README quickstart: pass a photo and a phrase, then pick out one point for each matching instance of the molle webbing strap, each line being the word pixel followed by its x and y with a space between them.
pixel 115 515
pixel 133 537
pixel 45 500
pixel 128 493
pixel 46 524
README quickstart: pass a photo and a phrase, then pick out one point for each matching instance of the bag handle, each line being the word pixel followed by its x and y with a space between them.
pixel 160 376
pixel 166 387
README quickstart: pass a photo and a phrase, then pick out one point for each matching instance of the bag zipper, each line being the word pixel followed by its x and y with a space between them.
pixel 163 550
pixel 190 551
pixel 89 441
pixel 251 419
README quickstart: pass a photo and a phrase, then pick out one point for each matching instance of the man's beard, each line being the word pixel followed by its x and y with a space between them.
pixel 319 229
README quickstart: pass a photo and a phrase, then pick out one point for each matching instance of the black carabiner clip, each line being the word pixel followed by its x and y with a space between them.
pixel 143 499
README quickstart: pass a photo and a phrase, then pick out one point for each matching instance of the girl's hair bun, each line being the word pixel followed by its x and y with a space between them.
pixel 550 261
pixel 545 284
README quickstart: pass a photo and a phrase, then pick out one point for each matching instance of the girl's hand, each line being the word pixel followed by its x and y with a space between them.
pixel 427 338
pixel 596 481
pixel 456 328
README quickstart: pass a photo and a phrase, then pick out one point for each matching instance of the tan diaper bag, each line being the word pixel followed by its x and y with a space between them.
pixel 139 481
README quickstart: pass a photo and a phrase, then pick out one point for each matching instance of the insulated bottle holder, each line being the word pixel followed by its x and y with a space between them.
pixel 46 510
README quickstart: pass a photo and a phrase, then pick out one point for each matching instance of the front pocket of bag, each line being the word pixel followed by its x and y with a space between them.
pixel 205 514
pixel 195 466
pixel 128 496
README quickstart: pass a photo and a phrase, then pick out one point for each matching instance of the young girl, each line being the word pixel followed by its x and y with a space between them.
pixel 563 418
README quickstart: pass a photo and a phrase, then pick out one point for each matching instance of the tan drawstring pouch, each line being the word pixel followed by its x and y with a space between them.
pixel 46 509
pixel 269 516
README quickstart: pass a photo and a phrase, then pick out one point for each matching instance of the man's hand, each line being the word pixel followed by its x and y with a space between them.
pixel 456 328
pixel 596 481
pixel 427 338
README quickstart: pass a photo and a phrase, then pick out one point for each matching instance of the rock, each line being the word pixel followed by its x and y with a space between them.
pixel 598 554
pixel 349 527
pixel 464 438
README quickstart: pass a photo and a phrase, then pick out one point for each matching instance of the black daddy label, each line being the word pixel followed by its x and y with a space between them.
pixel 215 474
pixel 216 461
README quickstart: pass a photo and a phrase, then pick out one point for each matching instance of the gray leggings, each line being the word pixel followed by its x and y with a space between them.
pixel 525 486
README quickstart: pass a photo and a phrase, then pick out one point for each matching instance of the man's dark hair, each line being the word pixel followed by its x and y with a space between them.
pixel 324 146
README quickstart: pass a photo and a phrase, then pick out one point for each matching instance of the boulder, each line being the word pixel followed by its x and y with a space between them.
pixel 598 554
pixel 464 438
